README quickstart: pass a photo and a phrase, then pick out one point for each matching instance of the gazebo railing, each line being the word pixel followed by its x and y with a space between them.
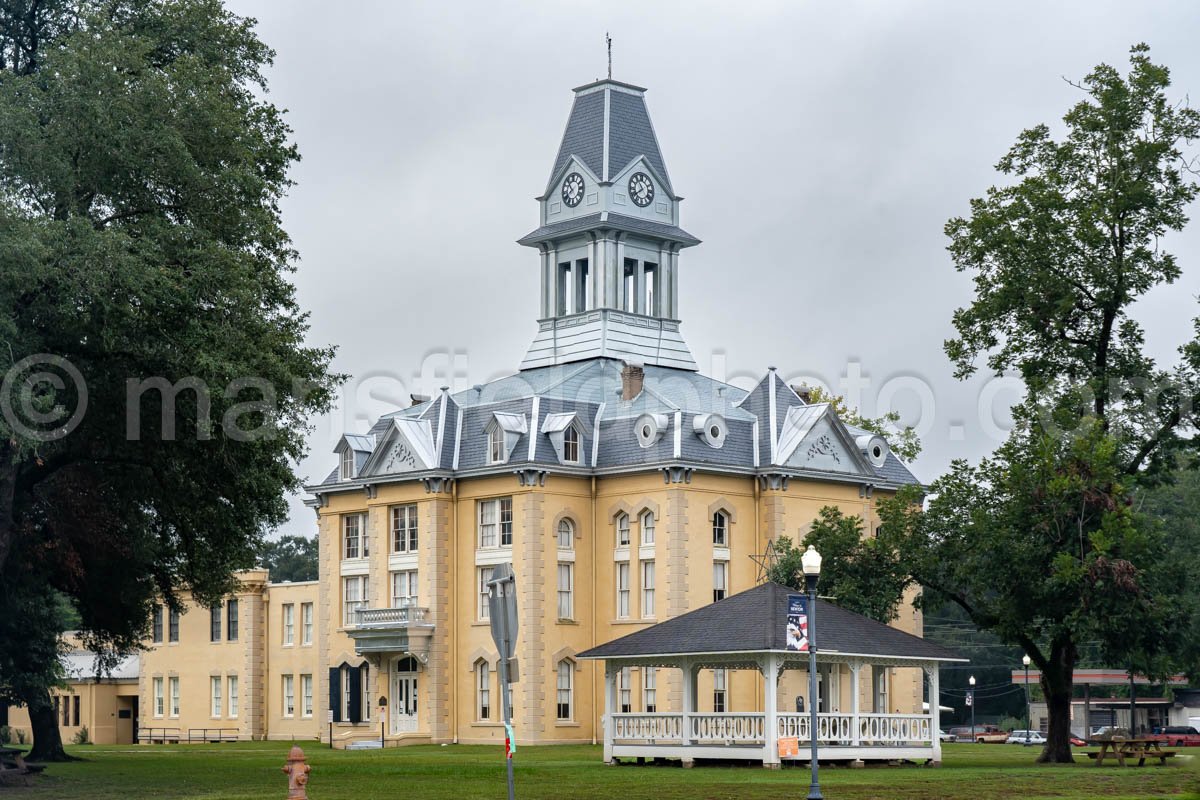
pixel 649 727
pixel 750 728
pixel 728 727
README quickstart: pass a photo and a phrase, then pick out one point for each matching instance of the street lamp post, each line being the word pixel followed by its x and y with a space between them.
pixel 971 680
pixel 1026 660
pixel 811 563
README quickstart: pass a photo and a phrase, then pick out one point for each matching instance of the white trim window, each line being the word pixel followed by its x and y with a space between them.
pixel 404 529
pixel 719 683
pixel 647 525
pixel 289 624
pixel 565 687
pixel 571 445
pixel 485 575
pixel 495 523
pixel 289 696
pixel 483 690
pixel 566 590
pixel 214 691
pixel 233 696
pixel 566 534
pixel 404 588
pixel 354 596
pixel 173 694
pixel 622 530
pixel 647 588
pixel 355 543
pixel 649 690
pixel 346 694
pixel 625 690
pixel 496 450
pixel 306 623
pixel 720 580
pixel 347 468
pixel 720 529
pixel 622 590
pixel 306 696
pixel 159 703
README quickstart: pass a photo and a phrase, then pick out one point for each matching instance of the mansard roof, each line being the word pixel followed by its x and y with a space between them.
pixel 609 127
pixel 448 434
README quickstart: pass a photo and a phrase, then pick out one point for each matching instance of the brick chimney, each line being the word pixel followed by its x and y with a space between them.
pixel 632 378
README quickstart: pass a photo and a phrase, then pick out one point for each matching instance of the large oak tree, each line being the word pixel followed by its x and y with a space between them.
pixel 1040 544
pixel 141 171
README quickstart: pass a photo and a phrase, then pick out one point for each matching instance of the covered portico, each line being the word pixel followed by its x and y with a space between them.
pixel 748 632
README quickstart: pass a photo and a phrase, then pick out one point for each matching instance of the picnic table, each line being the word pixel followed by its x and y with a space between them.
pixel 1122 748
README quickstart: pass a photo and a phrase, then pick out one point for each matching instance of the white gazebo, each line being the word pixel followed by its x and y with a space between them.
pixel 748 631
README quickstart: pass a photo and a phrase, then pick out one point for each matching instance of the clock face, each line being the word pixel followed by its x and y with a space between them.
pixel 572 189
pixel 641 189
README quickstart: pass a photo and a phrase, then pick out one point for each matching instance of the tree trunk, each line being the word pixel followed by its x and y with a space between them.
pixel 1056 683
pixel 47 740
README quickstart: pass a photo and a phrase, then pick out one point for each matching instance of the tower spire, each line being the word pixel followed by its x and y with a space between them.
pixel 608 41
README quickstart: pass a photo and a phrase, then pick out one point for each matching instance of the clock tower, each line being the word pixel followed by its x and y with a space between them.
pixel 609 239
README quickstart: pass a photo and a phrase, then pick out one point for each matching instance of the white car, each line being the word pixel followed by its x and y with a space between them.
pixel 1025 737
pixel 946 737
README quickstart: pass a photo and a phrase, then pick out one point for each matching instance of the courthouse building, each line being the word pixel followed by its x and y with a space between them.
pixel 625 487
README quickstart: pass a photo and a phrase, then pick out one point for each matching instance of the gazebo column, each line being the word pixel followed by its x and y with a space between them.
pixel 610 706
pixel 935 712
pixel 855 712
pixel 689 706
pixel 770 672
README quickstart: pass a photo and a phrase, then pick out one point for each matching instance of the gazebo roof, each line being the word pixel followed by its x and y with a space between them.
pixel 754 621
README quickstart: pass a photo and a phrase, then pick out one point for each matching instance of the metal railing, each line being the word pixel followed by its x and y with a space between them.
pixel 212 735
pixel 159 735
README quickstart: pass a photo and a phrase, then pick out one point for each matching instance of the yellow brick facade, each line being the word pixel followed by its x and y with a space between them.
pixel 460 647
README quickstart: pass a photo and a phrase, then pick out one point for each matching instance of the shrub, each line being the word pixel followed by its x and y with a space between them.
pixel 81 736
pixel 20 736
pixel 1011 724
pixel 5 734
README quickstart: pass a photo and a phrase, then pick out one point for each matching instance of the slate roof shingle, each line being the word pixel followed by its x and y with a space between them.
pixel 755 621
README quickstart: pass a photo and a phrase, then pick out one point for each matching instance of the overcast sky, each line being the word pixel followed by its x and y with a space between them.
pixel 821 149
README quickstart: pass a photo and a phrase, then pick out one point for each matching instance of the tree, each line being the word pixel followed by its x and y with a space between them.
pixel 904 441
pixel 859 574
pixel 291 558
pixel 1040 543
pixel 144 268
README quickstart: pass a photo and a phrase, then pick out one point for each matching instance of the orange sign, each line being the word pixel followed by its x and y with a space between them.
pixel 788 746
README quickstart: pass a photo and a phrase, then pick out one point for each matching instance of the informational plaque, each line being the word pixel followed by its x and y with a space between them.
pixel 788 746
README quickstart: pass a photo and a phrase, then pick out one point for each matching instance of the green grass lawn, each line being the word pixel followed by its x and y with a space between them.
pixel 250 771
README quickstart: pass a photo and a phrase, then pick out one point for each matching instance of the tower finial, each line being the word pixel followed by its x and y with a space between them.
pixel 608 41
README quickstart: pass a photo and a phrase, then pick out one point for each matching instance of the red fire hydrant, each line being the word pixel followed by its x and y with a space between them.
pixel 297 771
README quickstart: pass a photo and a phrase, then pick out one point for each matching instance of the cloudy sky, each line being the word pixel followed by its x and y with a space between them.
pixel 821 148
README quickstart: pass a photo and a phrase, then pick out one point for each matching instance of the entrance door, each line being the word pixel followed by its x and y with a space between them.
pixel 403 708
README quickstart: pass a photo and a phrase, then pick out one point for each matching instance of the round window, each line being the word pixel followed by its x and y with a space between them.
pixel 714 432
pixel 646 432
pixel 877 452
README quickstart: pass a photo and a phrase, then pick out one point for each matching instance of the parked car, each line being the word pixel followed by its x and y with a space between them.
pixel 1109 731
pixel 946 737
pixel 1077 742
pixel 1025 737
pixel 1177 736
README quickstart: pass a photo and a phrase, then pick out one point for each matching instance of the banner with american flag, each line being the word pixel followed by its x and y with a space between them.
pixel 797 623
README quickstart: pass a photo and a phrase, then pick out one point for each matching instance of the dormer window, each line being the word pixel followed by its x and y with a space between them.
pixel 347 464
pixel 496 445
pixel 571 445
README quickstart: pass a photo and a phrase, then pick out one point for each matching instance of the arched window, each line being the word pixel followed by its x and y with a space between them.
pixel 720 529
pixel 566 687
pixel 622 530
pixel 648 528
pixel 483 689
pixel 571 445
pixel 566 534
pixel 496 445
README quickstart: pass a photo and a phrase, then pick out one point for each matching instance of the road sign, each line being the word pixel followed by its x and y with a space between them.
pixel 502 614
pixel 970 699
